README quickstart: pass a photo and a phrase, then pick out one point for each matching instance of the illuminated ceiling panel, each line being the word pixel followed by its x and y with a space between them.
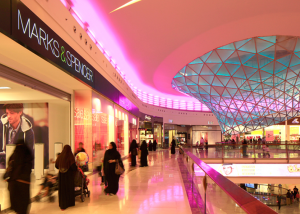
pixel 248 84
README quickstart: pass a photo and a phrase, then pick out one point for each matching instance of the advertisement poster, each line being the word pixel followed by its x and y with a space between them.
pixel 253 170
pixel 24 121
pixel 269 135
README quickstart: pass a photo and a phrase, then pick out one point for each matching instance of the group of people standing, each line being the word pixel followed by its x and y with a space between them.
pixel 134 151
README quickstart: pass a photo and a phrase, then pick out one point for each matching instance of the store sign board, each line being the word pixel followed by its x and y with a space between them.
pixel 5 13
pixel 269 135
pixel 255 170
pixel 30 30
pixel 147 117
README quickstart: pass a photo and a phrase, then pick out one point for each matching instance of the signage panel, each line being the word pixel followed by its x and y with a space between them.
pixel 255 170
pixel 36 35
pixel 5 14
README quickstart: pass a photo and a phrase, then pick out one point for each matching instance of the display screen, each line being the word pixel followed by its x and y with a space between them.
pixel 250 185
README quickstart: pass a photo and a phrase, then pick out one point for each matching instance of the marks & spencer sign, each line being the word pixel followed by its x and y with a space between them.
pixel 28 29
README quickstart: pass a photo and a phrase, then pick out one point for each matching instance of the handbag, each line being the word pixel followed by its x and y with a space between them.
pixel 119 170
pixel 297 196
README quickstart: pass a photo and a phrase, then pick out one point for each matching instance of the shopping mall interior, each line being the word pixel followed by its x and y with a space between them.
pixel 211 89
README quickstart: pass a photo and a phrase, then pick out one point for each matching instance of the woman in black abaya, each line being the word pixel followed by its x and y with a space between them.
pixel 144 154
pixel 19 182
pixel 133 152
pixel 65 163
pixel 111 157
pixel 150 145
pixel 173 144
pixel 154 145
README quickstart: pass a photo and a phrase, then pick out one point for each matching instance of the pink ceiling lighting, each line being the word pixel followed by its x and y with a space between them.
pixel 142 95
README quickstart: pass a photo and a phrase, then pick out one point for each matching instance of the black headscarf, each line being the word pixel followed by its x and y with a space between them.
pixel 144 145
pixel 65 159
pixel 133 145
pixel 114 147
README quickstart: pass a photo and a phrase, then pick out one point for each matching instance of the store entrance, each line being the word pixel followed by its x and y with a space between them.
pixel 38 118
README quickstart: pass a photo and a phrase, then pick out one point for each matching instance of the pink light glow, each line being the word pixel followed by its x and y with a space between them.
pixel 115 47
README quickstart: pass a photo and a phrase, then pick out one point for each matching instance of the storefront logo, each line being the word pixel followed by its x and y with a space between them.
pixel 52 45
pixel 147 117
pixel 293 168
pixel 295 120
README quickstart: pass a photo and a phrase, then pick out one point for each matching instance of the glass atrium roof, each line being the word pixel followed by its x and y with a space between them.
pixel 248 84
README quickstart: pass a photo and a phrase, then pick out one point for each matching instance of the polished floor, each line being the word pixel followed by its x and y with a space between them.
pixel 148 190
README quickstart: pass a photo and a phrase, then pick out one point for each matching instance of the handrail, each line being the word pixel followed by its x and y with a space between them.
pixel 245 200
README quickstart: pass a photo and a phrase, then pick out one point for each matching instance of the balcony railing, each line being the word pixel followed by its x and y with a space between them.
pixel 217 193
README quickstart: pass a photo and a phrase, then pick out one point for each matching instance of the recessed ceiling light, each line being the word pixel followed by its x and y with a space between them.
pixel 5 88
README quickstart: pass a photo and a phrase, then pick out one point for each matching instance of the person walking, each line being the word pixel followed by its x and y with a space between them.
pixel 150 145
pixel 244 148
pixel 296 191
pixel 144 154
pixel 20 164
pixel 133 150
pixel 99 162
pixel 292 197
pixel 173 144
pixel 288 197
pixel 279 197
pixel 154 145
pixel 66 165
pixel 111 158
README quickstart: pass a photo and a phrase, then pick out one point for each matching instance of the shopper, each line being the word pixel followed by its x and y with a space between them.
pixel 173 144
pixel 295 193
pixel 133 151
pixel 288 197
pixel 20 164
pixel 292 197
pixel 280 188
pixel 65 163
pixel 279 197
pixel 80 148
pixel 111 158
pixel 150 145
pixel 99 162
pixel 144 154
pixel 154 145
pixel 244 148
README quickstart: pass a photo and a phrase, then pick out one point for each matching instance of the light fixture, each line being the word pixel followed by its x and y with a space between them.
pixel 4 87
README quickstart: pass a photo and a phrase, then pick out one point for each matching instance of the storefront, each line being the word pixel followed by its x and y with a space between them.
pixel 89 109
pixel 211 134
pixel 150 128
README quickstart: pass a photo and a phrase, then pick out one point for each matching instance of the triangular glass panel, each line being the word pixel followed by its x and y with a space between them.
pixel 223 71
pixel 229 46
pixel 290 74
pixel 231 84
pixel 297 48
pixel 205 56
pixel 263 60
pixel 269 52
pixel 214 66
pixel 213 91
pixel 208 79
pixel 232 68
pixel 217 82
pixel 252 62
pixel 279 67
pixel 194 79
pixel 245 86
pixel 224 79
pixel 224 54
pixel 269 68
pixel 255 77
pixel 225 93
pixel 190 72
pixel 259 89
pixel 296 69
pixel 253 84
pixel 178 75
pixel 206 71
pixel 206 88
pixel 262 45
pixel 196 67
pixel 239 82
pixel 282 38
pixel 189 82
pixel 240 43
pixel 269 38
pixel 281 52
pixel 232 91
pixel 285 60
pixel 219 90
pixel 245 56
pixel 248 47
pixel 180 81
pixel 213 58
pixel 240 73
pixel 249 71
pixel 277 81
pixel 193 88
pixel 196 61
pixel 201 81
pixel 288 44
pixel 234 59
pixel 295 61
pixel 264 75
pixel 282 74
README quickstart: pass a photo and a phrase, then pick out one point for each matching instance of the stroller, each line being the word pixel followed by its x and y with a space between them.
pixel 51 183
pixel 81 185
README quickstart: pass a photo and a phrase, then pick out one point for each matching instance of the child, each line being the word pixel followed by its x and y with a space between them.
pixel 99 162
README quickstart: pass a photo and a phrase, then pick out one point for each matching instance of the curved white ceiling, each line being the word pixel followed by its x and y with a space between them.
pixel 152 40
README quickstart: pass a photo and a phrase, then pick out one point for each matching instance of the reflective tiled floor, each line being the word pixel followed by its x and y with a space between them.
pixel 148 190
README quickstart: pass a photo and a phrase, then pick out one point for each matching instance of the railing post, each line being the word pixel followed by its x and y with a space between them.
pixel 254 153
pixel 222 152
pixel 287 152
